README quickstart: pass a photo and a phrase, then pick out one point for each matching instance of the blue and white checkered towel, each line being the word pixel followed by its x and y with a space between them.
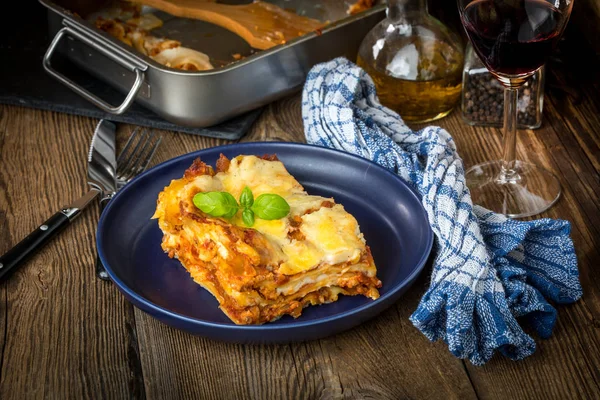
pixel 488 270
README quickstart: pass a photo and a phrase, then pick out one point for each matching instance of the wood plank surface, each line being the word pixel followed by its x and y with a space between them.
pixel 65 334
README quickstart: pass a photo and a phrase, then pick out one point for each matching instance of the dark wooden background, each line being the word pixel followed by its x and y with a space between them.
pixel 65 334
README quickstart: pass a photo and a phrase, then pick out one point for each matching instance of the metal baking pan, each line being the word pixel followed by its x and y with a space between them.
pixel 202 99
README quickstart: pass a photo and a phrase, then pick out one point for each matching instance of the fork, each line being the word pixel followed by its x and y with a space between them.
pixel 136 155
pixel 134 159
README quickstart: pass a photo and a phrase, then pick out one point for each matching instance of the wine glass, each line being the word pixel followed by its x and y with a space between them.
pixel 513 38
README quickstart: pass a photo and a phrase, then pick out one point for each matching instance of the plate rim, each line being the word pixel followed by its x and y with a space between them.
pixel 264 327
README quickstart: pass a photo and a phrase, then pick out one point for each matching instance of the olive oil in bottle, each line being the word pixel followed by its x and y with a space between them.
pixel 415 62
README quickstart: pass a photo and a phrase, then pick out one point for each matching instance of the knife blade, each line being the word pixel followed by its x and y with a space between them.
pixel 102 167
pixel 101 179
pixel 102 159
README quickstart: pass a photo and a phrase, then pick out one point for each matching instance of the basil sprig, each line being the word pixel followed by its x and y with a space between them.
pixel 267 206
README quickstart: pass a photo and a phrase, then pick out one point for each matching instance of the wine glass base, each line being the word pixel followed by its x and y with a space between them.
pixel 531 191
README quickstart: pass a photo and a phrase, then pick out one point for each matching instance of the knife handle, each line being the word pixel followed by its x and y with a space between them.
pixel 100 271
pixel 15 257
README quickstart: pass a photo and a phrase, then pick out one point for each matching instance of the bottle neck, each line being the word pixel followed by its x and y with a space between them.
pixel 398 9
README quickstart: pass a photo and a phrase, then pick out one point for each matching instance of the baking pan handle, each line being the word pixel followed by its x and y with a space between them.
pixel 137 85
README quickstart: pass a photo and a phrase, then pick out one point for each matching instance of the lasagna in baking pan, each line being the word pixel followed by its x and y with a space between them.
pixel 263 268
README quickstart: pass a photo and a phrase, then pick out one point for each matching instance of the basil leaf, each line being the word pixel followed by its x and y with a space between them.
pixel 231 205
pixel 270 206
pixel 246 198
pixel 216 204
pixel 205 202
pixel 248 217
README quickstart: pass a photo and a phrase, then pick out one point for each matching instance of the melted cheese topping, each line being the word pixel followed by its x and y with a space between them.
pixel 261 176
pixel 331 235
pixel 334 234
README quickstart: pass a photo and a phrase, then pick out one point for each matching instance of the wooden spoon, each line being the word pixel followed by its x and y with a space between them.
pixel 262 25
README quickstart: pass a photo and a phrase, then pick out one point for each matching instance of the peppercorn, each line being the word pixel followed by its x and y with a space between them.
pixel 483 99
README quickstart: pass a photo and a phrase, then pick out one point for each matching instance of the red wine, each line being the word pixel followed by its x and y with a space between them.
pixel 513 37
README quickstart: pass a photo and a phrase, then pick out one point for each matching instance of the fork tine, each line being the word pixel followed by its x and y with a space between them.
pixel 124 160
pixel 132 156
pixel 137 159
pixel 125 150
pixel 150 154
pixel 140 156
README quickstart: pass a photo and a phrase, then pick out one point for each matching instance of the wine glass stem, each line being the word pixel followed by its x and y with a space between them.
pixel 508 173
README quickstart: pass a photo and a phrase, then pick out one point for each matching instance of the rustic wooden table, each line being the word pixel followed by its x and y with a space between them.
pixel 66 334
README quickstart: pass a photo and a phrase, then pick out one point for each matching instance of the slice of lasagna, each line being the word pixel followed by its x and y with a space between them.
pixel 276 267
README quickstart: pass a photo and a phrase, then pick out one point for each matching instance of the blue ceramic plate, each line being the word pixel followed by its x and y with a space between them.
pixel 389 213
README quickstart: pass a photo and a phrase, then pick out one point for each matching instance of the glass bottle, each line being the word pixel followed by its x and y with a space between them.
pixel 483 96
pixel 415 61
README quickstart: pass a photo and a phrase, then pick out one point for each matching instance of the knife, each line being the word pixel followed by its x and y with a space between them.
pixel 101 179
